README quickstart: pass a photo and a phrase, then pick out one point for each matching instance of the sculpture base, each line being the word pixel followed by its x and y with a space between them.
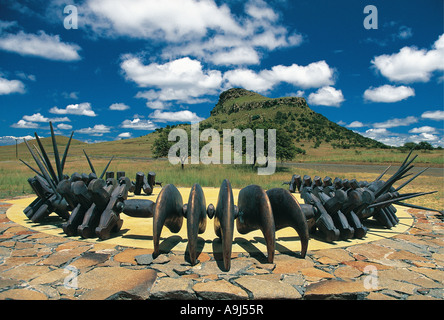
pixel 138 232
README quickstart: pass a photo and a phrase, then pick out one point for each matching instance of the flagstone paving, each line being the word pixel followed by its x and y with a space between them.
pixel 39 266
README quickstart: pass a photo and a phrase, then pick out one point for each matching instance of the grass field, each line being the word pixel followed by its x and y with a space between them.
pixel 141 148
pixel 135 155
pixel 13 176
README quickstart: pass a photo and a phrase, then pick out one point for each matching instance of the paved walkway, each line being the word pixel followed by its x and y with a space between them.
pixel 39 266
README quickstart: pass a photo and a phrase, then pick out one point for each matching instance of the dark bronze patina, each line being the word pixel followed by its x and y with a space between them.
pixel 255 213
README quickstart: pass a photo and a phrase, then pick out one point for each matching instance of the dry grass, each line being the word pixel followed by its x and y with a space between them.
pixel 13 176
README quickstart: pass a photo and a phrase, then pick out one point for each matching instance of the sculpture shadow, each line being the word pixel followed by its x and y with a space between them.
pixel 217 253
pixel 199 249
pixel 284 250
pixel 251 249
pixel 138 237
pixel 169 243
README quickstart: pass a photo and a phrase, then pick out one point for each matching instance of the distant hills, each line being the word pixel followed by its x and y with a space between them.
pixel 240 108
pixel 236 108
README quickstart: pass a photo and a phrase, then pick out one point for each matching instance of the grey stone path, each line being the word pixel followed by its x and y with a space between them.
pixel 38 266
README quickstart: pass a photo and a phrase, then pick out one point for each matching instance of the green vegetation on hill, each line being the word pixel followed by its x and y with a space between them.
pixel 297 126
pixel 239 108
pixel 302 135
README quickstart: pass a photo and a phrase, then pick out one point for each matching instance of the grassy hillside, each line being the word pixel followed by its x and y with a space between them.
pixel 320 139
pixel 8 153
pixel 239 108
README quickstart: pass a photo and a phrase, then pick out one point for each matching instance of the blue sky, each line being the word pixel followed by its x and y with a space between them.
pixel 131 66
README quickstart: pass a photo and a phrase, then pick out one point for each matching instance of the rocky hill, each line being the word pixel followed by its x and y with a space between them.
pixel 240 108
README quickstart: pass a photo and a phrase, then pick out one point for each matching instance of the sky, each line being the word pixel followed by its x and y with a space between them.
pixel 109 69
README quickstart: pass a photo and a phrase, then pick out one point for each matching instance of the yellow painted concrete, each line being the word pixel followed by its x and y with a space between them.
pixel 137 232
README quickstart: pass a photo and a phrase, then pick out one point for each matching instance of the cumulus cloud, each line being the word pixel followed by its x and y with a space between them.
pixel 38 117
pixel 248 79
pixel 64 126
pixel 399 139
pixel 119 106
pixel 424 136
pixel 80 109
pixel 356 124
pixel 98 130
pixel 40 45
pixel 23 124
pixel 388 93
pixel 392 123
pixel 314 75
pixel 326 96
pixel 433 115
pixel 11 86
pixel 236 56
pixel 424 129
pixel 124 135
pixel 411 64
pixel 179 116
pixel 180 80
pixel 202 29
pixel 8 140
pixel 381 133
pixel 139 124
pixel 386 137
pixel 173 20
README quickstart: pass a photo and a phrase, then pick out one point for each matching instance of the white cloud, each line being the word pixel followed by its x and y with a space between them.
pixel 248 79
pixel 38 117
pixel 173 20
pixel 64 126
pixel 11 86
pixel 181 80
pixel 119 106
pixel 411 64
pixel 392 123
pixel 388 93
pixel 124 135
pixel 201 29
pixel 177 73
pixel 424 136
pixel 179 116
pixel 8 140
pixel 260 11
pixel 377 132
pixel 424 129
pixel 399 139
pixel 23 124
pixel 236 56
pixel 386 137
pixel 356 124
pixel 40 45
pixel 139 124
pixel 326 96
pixel 314 75
pixel 98 130
pixel 80 109
pixel 433 115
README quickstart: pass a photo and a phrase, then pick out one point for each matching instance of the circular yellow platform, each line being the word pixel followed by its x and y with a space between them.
pixel 137 232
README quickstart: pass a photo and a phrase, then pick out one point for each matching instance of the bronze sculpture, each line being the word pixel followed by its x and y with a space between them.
pixel 91 205
pixel 342 205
